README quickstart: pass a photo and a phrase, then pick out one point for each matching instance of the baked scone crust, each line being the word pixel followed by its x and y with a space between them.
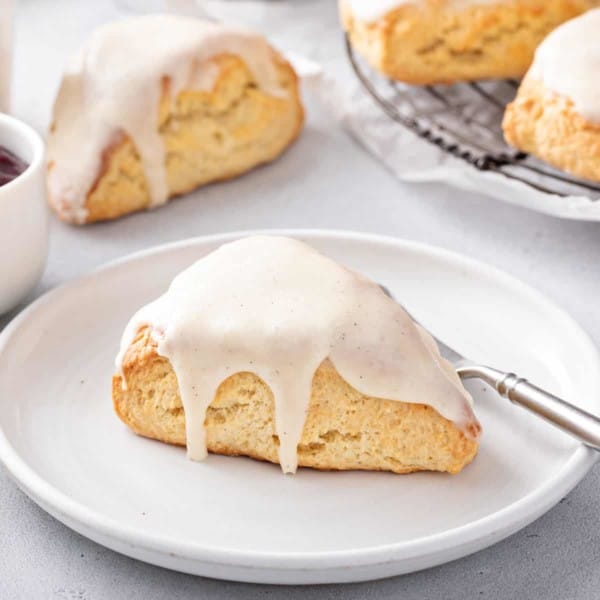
pixel 547 125
pixel 208 136
pixel 344 429
pixel 430 42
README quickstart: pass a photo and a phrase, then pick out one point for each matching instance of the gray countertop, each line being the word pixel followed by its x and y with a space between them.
pixel 324 181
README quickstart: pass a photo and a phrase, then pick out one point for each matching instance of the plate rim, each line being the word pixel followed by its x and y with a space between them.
pixel 471 536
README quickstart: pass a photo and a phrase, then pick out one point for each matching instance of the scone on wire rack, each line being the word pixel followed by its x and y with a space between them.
pixel 445 41
pixel 556 114
pixel 267 349
pixel 157 105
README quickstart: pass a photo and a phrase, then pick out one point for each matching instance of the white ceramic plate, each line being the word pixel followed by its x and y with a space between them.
pixel 238 519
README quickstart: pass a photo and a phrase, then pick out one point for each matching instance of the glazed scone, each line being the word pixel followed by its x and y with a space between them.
pixel 428 42
pixel 556 114
pixel 267 349
pixel 155 106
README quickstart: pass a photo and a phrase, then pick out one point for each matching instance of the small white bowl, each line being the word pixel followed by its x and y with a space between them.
pixel 23 215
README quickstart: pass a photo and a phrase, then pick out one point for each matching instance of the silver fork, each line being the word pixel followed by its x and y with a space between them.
pixel 577 422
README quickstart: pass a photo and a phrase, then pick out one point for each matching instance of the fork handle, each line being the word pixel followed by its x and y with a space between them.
pixel 575 421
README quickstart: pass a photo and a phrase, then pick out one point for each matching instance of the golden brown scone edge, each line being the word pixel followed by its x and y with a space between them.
pixel 547 125
pixel 344 430
pixel 430 42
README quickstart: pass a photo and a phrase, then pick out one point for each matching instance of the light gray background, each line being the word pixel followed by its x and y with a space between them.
pixel 325 180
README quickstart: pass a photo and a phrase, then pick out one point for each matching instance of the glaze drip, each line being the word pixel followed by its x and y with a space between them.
pixel 275 307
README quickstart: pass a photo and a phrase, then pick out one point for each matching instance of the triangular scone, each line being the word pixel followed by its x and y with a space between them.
pixel 169 347
pixel 155 106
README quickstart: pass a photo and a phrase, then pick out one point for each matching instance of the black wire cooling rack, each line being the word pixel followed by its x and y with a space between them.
pixel 464 120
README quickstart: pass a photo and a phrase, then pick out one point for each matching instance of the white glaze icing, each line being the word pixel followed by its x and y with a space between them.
pixel 276 307
pixel 114 85
pixel 568 63
pixel 374 10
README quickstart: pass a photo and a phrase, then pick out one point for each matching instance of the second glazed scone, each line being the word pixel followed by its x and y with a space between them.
pixel 156 106
pixel 444 41
pixel 265 348
pixel 556 114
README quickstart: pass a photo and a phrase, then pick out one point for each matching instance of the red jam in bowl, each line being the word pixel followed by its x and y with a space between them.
pixel 11 166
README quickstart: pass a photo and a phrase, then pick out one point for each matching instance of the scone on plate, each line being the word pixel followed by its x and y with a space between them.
pixel 157 105
pixel 444 41
pixel 265 348
pixel 556 114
